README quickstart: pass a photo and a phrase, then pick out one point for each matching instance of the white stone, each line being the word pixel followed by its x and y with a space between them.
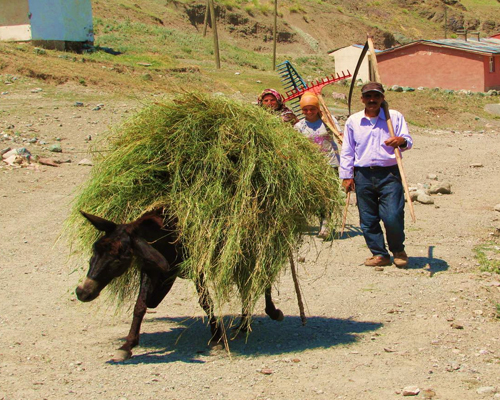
pixel 411 391
pixel 85 162
pixel 486 390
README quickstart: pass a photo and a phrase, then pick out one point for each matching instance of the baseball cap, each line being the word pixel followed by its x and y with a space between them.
pixel 372 87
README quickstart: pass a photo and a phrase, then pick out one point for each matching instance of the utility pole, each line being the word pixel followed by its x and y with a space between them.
pixel 445 21
pixel 216 38
pixel 275 29
pixel 205 21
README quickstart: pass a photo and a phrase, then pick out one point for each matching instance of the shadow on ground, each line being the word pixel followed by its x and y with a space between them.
pixel 189 342
pixel 349 232
pixel 429 263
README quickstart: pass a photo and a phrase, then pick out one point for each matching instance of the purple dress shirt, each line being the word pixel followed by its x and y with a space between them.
pixel 363 142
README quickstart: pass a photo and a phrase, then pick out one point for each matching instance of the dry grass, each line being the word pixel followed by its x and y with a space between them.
pixel 241 184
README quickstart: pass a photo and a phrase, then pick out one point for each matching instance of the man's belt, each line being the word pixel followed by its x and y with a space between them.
pixel 376 167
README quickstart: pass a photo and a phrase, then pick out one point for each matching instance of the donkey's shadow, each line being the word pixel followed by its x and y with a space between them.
pixel 189 342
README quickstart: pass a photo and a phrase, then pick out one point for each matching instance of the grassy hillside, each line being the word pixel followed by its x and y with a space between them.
pixel 145 47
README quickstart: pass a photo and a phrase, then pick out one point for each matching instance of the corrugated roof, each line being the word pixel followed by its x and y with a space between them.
pixel 359 46
pixel 484 46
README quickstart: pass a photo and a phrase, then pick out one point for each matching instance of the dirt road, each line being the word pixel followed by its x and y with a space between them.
pixel 369 334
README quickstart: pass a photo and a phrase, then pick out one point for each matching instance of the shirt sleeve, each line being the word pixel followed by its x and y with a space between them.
pixel 346 170
pixel 401 128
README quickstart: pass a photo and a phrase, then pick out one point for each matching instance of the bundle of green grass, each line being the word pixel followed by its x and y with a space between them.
pixel 242 185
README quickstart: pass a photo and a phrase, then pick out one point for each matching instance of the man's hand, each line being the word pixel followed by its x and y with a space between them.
pixel 396 141
pixel 348 185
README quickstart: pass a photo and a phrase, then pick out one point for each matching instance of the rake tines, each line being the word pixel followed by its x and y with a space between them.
pixel 291 79
pixel 315 86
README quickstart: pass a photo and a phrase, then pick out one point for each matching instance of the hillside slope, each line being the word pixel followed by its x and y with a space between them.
pixel 314 25
pixel 147 48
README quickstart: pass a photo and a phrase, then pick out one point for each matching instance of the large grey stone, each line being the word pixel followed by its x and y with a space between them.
pixel 440 187
pixel 425 198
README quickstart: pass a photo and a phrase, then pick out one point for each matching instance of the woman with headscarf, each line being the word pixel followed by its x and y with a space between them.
pixel 318 132
pixel 271 99
pixel 315 129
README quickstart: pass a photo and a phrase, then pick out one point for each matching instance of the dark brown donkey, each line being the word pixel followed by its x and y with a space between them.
pixel 153 241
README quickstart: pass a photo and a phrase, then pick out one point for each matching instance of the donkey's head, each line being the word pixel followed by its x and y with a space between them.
pixel 112 254
pixel 111 257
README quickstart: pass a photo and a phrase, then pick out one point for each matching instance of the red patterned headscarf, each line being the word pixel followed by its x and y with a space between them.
pixel 286 114
pixel 279 97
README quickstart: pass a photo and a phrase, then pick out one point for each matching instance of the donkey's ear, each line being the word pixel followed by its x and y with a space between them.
pixel 99 223
pixel 153 261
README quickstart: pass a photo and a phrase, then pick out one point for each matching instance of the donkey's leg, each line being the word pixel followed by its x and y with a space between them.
pixel 150 295
pixel 208 306
pixel 271 310
pixel 132 339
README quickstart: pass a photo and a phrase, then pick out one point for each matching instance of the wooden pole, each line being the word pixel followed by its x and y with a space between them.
pixel 327 119
pixel 344 219
pixel 297 290
pixel 397 152
pixel 275 30
pixel 214 28
pixel 205 22
pixel 445 21
pixel 373 60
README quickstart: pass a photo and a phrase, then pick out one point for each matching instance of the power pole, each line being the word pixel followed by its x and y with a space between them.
pixel 275 29
pixel 216 38
pixel 205 21
pixel 445 21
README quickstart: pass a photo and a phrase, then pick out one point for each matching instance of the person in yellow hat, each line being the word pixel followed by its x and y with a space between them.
pixel 317 132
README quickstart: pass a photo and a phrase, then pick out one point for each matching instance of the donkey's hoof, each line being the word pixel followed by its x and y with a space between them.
pixel 216 347
pixel 280 316
pixel 122 355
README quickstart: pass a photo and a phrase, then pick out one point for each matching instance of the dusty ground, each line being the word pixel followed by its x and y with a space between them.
pixel 369 333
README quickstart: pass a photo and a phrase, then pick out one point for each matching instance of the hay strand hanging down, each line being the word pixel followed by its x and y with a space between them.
pixel 241 184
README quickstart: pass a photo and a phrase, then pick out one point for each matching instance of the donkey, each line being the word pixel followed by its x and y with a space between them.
pixel 153 241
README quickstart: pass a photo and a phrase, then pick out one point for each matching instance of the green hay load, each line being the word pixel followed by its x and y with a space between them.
pixel 241 184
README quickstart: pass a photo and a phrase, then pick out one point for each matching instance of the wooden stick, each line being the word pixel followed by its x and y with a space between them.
pixel 275 30
pixel 327 119
pixel 399 160
pixel 397 152
pixel 344 219
pixel 205 20
pixel 297 290
pixel 373 59
pixel 213 18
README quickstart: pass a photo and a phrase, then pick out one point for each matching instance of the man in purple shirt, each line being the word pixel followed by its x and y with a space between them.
pixel 368 165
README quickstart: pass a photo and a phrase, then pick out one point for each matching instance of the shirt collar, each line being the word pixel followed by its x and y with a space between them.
pixel 381 115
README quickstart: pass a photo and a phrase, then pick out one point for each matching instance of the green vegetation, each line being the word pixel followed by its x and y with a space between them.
pixel 152 46
pixel 488 257
pixel 241 185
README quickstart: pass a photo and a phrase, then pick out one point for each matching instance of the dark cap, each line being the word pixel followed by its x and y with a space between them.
pixel 372 87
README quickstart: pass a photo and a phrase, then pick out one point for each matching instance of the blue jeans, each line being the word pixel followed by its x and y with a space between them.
pixel 380 196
